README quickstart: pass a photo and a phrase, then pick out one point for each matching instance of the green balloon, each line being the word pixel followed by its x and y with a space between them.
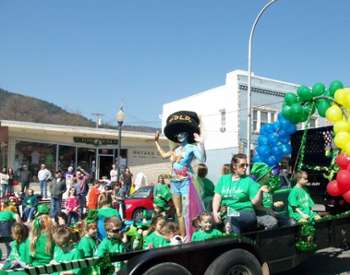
pixel 296 112
pixel 318 89
pixel 304 115
pixel 290 98
pixel 304 93
pixel 334 86
pixel 322 106
pixel 286 111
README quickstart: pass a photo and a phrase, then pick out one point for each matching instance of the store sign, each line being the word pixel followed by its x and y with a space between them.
pixel 95 141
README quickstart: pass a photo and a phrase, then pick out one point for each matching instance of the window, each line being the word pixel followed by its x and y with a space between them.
pixel 223 120
pixel 262 117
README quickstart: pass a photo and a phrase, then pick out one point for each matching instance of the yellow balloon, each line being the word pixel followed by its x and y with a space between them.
pixel 347 149
pixel 341 126
pixel 334 113
pixel 339 96
pixel 346 98
pixel 341 139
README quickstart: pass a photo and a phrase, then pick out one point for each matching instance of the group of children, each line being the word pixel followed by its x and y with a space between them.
pixel 41 241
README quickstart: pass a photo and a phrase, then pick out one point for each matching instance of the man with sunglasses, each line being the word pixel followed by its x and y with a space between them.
pixel 238 193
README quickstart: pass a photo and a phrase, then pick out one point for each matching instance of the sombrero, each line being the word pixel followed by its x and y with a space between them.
pixel 182 121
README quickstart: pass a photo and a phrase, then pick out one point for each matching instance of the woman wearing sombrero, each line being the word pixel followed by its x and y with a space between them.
pixel 183 128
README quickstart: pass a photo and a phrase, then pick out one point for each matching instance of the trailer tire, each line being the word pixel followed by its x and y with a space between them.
pixel 167 268
pixel 236 261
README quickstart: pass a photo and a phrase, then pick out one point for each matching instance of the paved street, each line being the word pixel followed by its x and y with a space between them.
pixel 330 261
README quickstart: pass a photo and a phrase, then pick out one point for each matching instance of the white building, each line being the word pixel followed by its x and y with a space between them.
pixel 94 149
pixel 223 113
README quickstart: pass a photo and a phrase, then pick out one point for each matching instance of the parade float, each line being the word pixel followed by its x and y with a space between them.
pixel 323 152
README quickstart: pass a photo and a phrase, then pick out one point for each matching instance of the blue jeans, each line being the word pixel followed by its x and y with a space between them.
pixel 246 221
pixel 55 207
pixel 73 217
pixel 4 190
pixel 28 213
pixel 82 204
pixel 43 188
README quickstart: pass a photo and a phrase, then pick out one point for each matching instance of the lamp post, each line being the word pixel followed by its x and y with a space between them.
pixel 120 119
pixel 250 76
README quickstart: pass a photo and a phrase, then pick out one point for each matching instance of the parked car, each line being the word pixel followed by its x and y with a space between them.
pixel 137 202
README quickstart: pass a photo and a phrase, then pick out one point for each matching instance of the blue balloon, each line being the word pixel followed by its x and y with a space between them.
pixel 263 151
pixel 271 161
pixel 257 158
pixel 273 139
pixel 284 140
pixel 283 134
pixel 263 140
pixel 266 129
pixel 286 149
pixel 291 129
pixel 277 152
pixel 275 126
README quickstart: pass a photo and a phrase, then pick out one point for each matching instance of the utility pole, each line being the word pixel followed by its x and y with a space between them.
pixel 98 118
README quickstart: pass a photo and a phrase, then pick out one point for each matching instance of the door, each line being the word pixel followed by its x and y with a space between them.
pixel 105 163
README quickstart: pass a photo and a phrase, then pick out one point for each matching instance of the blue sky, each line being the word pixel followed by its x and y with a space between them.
pixel 91 56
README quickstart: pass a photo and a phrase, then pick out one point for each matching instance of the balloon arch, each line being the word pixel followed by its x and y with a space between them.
pixel 332 103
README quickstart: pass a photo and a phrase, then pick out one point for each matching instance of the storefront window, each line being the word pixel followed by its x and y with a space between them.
pixel 66 157
pixel 3 154
pixel 33 154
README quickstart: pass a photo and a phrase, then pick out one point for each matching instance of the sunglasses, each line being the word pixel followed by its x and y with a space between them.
pixel 243 165
pixel 115 230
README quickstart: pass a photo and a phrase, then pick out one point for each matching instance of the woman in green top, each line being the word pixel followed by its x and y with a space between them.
pixel 299 201
pixel 41 246
pixel 206 230
pixel 239 194
pixel 161 196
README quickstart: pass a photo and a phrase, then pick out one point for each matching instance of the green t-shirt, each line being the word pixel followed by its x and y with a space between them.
pixel 299 198
pixel 237 194
pixel 162 195
pixel 30 201
pixel 7 215
pixel 267 200
pixel 40 256
pixel 107 212
pixel 19 252
pixel 111 246
pixel 207 187
pixel 87 246
pixel 61 256
pixel 154 240
pixel 201 235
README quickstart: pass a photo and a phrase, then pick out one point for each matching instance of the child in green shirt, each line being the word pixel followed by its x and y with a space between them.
pixel 299 201
pixel 154 237
pixel 88 243
pixel 65 249
pixel 161 196
pixel 19 256
pixel 206 230
pixel 41 246
pixel 113 243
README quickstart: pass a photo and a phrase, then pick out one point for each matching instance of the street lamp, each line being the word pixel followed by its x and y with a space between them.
pixel 250 76
pixel 120 119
